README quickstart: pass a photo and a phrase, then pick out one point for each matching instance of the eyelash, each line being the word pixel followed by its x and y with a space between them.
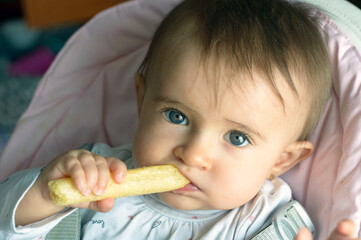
pixel 167 116
pixel 245 135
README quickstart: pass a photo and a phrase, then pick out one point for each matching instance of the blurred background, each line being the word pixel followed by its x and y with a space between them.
pixel 32 32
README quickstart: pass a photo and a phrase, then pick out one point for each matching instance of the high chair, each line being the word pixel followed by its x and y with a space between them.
pixel 88 95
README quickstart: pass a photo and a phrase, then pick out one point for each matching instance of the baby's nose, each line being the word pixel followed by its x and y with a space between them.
pixel 196 152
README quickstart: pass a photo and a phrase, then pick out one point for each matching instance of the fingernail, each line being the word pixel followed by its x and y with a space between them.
pixel 86 192
pixel 82 189
pixel 119 177
pixel 98 191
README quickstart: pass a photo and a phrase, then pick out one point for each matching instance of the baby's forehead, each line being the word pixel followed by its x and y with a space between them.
pixel 222 76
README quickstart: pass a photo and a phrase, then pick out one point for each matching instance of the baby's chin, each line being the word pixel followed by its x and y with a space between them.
pixel 189 202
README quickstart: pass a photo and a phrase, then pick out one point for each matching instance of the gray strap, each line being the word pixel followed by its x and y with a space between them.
pixel 67 229
pixel 267 234
pixel 286 222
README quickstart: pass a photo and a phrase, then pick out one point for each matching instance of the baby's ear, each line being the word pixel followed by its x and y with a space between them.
pixel 293 154
pixel 140 89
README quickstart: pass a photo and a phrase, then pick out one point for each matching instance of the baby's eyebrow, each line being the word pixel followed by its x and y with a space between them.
pixel 168 100
pixel 248 129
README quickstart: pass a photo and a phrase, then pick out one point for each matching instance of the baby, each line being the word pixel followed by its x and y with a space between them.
pixel 228 93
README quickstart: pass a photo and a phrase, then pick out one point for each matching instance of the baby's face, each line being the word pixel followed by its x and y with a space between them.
pixel 227 149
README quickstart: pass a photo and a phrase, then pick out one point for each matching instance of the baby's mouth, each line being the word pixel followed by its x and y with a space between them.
pixel 190 187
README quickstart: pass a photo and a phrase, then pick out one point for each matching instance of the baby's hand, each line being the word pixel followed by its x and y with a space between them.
pixel 344 231
pixel 90 173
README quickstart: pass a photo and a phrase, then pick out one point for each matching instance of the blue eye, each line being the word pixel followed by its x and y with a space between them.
pixel 238 139
pixel 175 117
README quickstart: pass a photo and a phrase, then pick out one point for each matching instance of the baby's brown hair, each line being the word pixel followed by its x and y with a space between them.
pixel 252 35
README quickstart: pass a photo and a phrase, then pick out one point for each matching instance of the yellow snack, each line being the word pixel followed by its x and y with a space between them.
pixel 138 181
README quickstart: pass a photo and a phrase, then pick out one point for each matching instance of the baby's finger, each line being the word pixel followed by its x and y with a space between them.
pixel 72 167
pixel 104 205
pixel 87 161
pixel 118 168
pixel 103 175
pixel 346 229
pixel 303 234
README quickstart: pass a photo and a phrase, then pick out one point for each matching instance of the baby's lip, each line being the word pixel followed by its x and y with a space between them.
pixel 190 187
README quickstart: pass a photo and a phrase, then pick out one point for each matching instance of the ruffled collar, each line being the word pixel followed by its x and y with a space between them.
pixel 153 201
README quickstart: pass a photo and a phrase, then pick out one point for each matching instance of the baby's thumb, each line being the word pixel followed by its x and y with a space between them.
pixel 104 205
pixel 303 234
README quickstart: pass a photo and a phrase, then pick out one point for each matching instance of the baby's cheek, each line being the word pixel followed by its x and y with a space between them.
pixel 140 151
pixel 238 185
pixel 146 150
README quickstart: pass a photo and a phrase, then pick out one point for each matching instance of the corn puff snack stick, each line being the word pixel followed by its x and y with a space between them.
pixel 137 182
